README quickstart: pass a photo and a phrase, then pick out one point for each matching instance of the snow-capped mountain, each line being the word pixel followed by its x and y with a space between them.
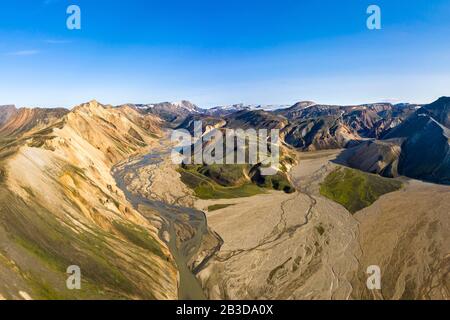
pixel 170 111
pixel 226 110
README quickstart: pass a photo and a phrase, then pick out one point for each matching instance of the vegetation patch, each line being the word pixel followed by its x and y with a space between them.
pixel 73 171
pixel 132 132
pixel 29 191
pixel 2 175
pixel 43 290
pixel 206 188
pixel 54 246
pixel 140 237
pixel 231 181
pixel 38 141
pixel 355 189
pixel 278 181
pixel 226 175
pixel 215 207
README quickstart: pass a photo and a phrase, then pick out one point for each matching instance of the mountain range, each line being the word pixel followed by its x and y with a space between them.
pixel 148 236
pixel 310 126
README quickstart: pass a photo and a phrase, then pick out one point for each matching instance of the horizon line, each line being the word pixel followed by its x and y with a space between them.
pixel 386 101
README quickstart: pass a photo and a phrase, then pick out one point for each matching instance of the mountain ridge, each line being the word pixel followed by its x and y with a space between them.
pixel 59 187
pixel 422 145
pixel 62 204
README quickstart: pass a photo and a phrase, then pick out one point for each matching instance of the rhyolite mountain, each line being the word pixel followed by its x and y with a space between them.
pixel 60 206
pixel 14 122
pixel 59 200
pixel 6 112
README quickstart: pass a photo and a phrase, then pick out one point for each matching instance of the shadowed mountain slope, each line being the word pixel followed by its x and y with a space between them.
pixel 417 148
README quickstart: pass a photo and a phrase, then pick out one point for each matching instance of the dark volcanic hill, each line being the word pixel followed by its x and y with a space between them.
pixel 439 110
pixel 256 119
pixel 417 148
pixel 306 125
pixel 326 132
pixel 206 121
pixel 401 139
pixel 425 150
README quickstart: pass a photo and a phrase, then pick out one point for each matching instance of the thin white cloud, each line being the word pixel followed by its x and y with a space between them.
pixel 23 53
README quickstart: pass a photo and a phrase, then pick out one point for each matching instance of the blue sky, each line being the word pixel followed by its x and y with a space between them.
pixel 223 52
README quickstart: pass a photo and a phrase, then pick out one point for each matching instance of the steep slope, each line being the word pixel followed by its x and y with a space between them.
pixel 6 112
pixel 390 118
pixel 319 133
pixel 354 189
pixel 378 156
pixel 297 110
pixel 314 127
pixel 61 207
pixel 362 120
pixel 439 110
pixel 432 143
pixel 208 123
pixel 417 148
pixel 366 121
pixel 26 120
pixel 305 125
pixel 426 133
pixel 406 234
pixel 222 111
pixel 255 119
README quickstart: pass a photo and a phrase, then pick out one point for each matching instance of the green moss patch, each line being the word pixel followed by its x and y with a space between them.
pixel 215 207
pixel 278 181
pixel 206 188
pixel 140 237
pixel 355 189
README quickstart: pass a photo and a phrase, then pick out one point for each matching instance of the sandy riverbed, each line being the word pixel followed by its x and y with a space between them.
pixel 304 246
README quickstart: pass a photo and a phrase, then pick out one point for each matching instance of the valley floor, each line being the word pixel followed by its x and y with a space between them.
pixel 284 246
pixel 305 246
